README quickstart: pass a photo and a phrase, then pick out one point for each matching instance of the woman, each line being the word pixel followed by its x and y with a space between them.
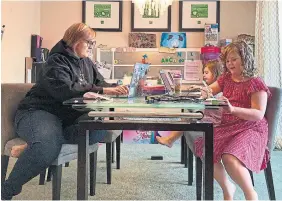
pixel 240 141
pixel 42 120
pixel 211 72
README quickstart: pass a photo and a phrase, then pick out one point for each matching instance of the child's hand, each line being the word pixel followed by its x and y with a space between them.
pixel 206 93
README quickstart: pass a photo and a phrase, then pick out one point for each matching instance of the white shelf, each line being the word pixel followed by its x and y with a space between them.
pixel 165 65
pixel 193 49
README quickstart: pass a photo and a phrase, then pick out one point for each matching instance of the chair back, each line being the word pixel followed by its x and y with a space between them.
pixel 11 96
pixel 272 114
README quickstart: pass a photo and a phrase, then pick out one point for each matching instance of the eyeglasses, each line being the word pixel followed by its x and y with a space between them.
pixel 90 43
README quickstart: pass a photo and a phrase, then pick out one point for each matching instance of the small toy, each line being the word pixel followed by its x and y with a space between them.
pixel 145 56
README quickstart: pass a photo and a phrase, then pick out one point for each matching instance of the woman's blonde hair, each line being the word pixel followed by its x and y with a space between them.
pixel 215 67
pixel 77 32
pixel 246 54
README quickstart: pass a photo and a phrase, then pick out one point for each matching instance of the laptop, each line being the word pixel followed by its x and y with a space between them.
pixel 170 90
pixel 139 72
pixel 165 78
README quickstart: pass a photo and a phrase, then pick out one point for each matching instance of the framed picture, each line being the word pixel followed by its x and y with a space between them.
pixel 103 15
pixel 150 23
pixel 193 15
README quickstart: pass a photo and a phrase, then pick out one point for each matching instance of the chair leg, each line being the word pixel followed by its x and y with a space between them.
pixel 252 177
pixel 121 137
pixel 199 175
pixel 113 151
pixel 42 177
pixel 118 142
pixel 49 174
pixel 269 182
pixel 109 162
pixel 190 168
pixel 67 164
pixel 4 167
pixel 182 149
pixel 185 154
pixel 56 182
pixel 93 171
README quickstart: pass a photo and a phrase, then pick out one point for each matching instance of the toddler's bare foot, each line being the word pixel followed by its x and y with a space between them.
pixel 164 141
pixel 228 194
pixel 17 150
pixel 252 195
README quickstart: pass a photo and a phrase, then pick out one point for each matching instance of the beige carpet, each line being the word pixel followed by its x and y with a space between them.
pixel 143 179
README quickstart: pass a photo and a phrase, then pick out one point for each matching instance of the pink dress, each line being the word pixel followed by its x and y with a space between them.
pixel 246 140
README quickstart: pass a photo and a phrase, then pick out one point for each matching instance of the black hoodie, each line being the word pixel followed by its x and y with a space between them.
pixel 63 77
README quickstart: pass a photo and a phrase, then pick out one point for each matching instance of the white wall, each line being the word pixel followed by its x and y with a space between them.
pixel 236 17
pixel 22 18
pixel 51 18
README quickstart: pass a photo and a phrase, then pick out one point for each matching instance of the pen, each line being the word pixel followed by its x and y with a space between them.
pixel 208 89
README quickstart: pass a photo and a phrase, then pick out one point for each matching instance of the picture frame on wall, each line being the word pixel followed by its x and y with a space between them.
pixel 145 23
pixel 103 15
pixel 193 15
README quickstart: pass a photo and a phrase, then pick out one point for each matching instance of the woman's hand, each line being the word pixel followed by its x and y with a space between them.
pixel 228 108
pixel 119 90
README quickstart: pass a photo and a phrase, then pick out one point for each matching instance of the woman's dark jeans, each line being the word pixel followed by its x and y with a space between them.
pixel 44 135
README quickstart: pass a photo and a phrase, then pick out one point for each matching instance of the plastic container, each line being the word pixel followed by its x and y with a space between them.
pixel 210 53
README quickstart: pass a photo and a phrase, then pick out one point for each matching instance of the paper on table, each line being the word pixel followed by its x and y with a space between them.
pixel 192 70
pixel 106 73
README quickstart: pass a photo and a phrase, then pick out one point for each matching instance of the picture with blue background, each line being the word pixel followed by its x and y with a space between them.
pixel 173 40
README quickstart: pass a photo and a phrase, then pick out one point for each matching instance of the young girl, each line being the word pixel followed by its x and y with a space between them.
pixel 211 72
pixel 240 141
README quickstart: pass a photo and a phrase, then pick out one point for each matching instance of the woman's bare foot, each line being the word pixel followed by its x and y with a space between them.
pixel 17 150
pixel 164 141
pixel 228 194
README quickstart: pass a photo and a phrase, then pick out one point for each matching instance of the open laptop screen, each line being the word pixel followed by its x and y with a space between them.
pixel 138 73
pixel 166 82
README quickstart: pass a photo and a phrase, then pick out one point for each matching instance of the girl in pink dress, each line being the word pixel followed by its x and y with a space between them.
pixel 211 72
pixel 240 141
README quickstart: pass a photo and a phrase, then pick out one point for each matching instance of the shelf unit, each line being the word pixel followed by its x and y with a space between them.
pixel 123 62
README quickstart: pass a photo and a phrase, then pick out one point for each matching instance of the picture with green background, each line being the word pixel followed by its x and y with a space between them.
pixel 199 10
pixel 102 10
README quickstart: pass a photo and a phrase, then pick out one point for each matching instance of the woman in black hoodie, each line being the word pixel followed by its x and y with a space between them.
pixel 42 120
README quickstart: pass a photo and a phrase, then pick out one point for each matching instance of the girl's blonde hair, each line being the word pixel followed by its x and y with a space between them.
pixel 246 54
pixel 77 32
pixel 215 67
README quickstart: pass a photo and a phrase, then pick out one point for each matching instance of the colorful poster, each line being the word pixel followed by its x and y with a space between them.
pixel 102 10
pixel 143 137
pixel 173 40
pixel 199 11
pixel 211 34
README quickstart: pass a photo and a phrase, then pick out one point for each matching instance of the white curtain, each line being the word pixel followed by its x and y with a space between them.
pixel 268 44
